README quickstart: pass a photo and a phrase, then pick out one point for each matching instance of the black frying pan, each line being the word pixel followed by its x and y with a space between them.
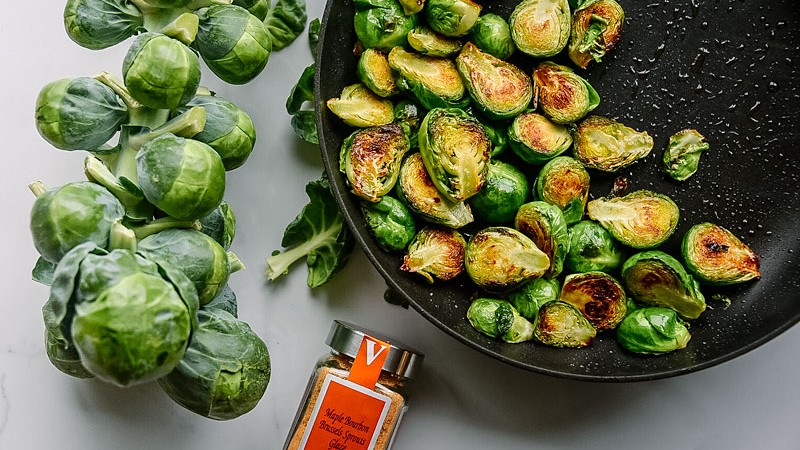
pixel 725 67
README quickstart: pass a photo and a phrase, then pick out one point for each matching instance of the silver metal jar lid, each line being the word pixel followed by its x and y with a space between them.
pixel 346 338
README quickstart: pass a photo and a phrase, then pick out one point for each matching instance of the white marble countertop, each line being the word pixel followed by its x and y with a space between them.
pixel 463 399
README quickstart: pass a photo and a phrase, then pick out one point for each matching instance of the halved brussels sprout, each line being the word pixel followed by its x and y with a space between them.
pixel 506 189
pixel 428 42
pixel 499 89
pixel 495 131
pixel 641 219
pixel 544 224
pixel 99 24
pixel 564 182
pixel 358 106
pixel 416 189
pixel 532 295
pixel 592 249
pixel 535 139
pixel 540 28
pixel 682 155
pixel 560 324
pixel 412 6
pixel 435 253
pixel 382 25
pixel 493 35
pixel 716 256
pixel 373 70
pixel 371 158
pixel 598 296
pixel 607 145
pixel 502 258
pixel 655 278
pixel 563 95
pixel 499 319
pixel 390 222
pixel 455 150
pixel 452 17
pixel 653 330
pixel 596 29
pixel 433 81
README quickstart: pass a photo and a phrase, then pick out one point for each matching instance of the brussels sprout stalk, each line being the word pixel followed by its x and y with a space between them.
pixel 235 263
pixel 183 28
pixel 122 237
pixel 136 206
pixel 161 224
pixel 38 188
pixel 185 125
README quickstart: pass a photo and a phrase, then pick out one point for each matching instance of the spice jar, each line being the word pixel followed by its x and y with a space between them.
pixel 357 394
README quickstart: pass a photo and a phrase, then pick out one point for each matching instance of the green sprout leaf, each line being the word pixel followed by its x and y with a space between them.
pixel 285 21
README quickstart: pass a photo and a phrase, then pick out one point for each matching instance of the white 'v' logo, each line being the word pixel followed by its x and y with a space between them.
pixel 371 355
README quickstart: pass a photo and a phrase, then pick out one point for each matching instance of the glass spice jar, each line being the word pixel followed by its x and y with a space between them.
pixel 357 394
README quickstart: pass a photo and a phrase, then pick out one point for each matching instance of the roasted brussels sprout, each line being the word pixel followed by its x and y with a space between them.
pixel 535 139
pixel 596 29
pixel 99 24
pixel 433 81
pixel 492 35
pixel 500 89
pixel 607 145
pixel 390 222
pixel 563 95
pixel 502 258
pixel 592 248
pixel 641 219
pixel 455 150
pixel 598 296
pixel 541 28
pixel 382 25
pixel 717 257
pixel 655 278
pixel 544 224
pixel 358 106
pixel 428 42
pixel 653 330
pixel 506 189
pixel 373 70
pixel 409 115
pixel 435 253
pixel 499 319
pixel 560 324
pixel 452 17
pixel 564 182
pixel 529 297
pixel 682 155
pixel 371 158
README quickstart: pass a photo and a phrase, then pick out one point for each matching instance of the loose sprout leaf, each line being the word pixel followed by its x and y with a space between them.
pixel 303 91
pixel 313 37
pixel 43 272
pixel 285 21
pixel 305 126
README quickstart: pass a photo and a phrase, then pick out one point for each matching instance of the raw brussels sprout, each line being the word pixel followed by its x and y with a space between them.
pixel 78 114
pixel 544 224
pixel 64 357
pixel 596 29
pixel 653 330
pixel 434 82
pixel 412 6
pixel 258 8
pixel 540 28
pixel 641 219
pixel 592 249
pixel 598 296
pixel 220 225
pixel 499 319
pixel 564 182
pixel 225 370
pixel 416 189
pixel 409 115
pixel 502 258
pixel 225 300
pixel 607 145
pixel 655 278
pixel 560 324
pixel 160 72
pixel 452 17
pixel 371 158
pixel 358 106
pixel 428 42
pixel 500 89
pixel 455 150
pixel 492 35
pixel 506 189
pixel 285 21
pixel 532 295
pixel 382 25
pixel 717 257
pixel 535 139
pixel 182 177
pixel 435 253
pixel 563 95
pixel 682 155
pixel 99 24
pixel 373 70
pixel 390 222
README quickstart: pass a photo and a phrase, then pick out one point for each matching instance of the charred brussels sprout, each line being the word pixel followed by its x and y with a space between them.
pixel 501 90
pixel 717 257
pixel 560 324
pixel 544 224
pixel 653 330
pixel 502 258
pixel 382 25
pixel 592 248
pixel 492 35
pixel 358 106
pixel 682 155
pixel 99 24
pixel 390 222
pixel 435 253
pixel 500 320
pixel 532 295
pixel 563 95
pixel 540 28
pixel 598 296
pixel 655 278
pixel 641 219
pixel 416 189
pixel 506 189
pixel 220 225
pixel 428 42
pixel 373 70
pixel 596 29
pixel 433 81
pixel 371 158
pixel 607 145
pixel 564 182
pixel 452 17
pixel 535 139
